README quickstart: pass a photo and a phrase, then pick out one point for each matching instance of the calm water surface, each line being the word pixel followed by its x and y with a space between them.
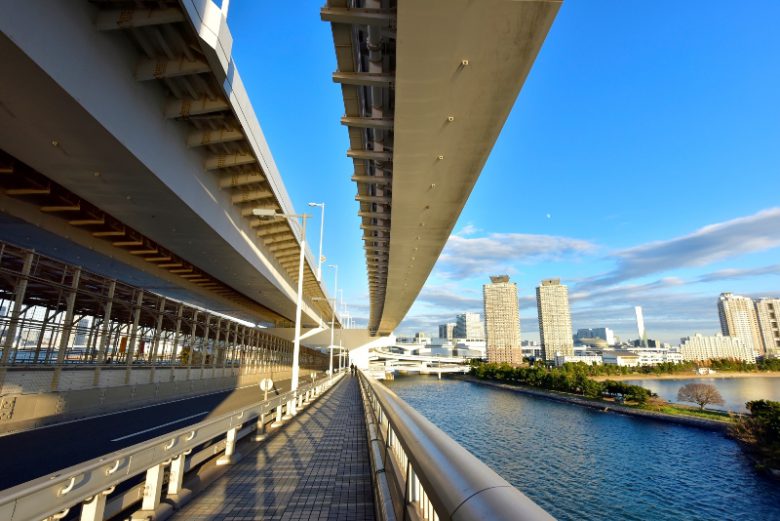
pixel 735 391
pixel 578 463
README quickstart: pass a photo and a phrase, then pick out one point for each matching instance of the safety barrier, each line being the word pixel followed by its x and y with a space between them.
pixel 421 473
pixel 90 483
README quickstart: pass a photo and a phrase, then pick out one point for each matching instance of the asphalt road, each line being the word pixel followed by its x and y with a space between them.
pixel 30 454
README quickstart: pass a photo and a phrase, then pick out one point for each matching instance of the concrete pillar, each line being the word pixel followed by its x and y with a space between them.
pixel 153 488
pixel 10 334
pixel 278 421
pixel 176 338
pixel 204 345
pixel 260 428
pixel 193 336
pixel 67 326
pixel 230 447
pixel 176 476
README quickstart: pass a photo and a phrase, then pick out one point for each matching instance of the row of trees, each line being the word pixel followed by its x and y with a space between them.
pixel 683 367
pixel 571 378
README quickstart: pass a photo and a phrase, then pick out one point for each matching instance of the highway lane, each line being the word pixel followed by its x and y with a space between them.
pixel 30 454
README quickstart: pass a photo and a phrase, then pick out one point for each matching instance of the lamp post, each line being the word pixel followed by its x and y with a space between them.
pixel 332 332
pixel 271 213
pixel 332 302
pixel 322 230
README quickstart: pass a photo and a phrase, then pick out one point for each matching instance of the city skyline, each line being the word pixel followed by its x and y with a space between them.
pixel 653 183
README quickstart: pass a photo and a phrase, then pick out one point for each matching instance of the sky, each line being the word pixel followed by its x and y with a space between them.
pixel 640 163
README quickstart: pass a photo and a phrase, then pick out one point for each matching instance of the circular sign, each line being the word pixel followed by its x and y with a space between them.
pixel 266 384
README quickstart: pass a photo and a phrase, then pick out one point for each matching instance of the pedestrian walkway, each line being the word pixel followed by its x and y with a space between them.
pixel 315 468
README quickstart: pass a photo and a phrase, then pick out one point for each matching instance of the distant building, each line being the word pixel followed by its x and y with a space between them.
pixel 657 355
pixel 620 358
pixel 502 320
pixel 738 319
pixel 768 313
pixel 422 338
pixel 589 359
pixel 640 326
pixel 699 348
pixel 468 326
pixel 447 330
pixel 604 333
pixel 552 303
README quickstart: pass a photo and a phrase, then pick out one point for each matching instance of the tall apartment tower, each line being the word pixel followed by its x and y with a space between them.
pixel 447 330
pixel 640 325
pixel 768 313
pixel 502 321
pixel 468 326
pixel 738 318
pixel 552 303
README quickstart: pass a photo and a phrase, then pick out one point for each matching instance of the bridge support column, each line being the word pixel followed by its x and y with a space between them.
pixel 10 334
pixel 230 447
pixel 94 508
pixel 67 328
pixel 152 491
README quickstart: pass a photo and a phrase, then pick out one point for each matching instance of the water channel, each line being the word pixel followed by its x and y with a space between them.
pixel 579 463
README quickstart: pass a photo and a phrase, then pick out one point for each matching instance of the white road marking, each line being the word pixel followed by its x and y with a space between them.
pixel 160 426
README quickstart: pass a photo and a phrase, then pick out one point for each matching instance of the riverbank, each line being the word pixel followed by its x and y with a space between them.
pixel 685 376
pixel 604 406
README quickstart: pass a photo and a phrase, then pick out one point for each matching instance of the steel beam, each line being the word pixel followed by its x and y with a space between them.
pixel 209 137
pixel 112 19
pixel 183 108
pixel 236 180
pixel 373 179
pixel 251 195
pixel 227 160
pixel 358 16
pixel 373 155
pixel 368 79
pixel 361 122
pixel 164 68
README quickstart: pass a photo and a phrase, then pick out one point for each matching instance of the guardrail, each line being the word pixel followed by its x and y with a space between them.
pixel 421 473
pixel 89 483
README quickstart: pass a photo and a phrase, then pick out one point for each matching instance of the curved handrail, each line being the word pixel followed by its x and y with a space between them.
pixel 458 485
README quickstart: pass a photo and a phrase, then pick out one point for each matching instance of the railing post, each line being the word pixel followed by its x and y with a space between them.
pixel 94 508
pixel 153 488
pixel 176 477
pixel 260 428
pixel 230 447
pixel 67 326
pixel 278 421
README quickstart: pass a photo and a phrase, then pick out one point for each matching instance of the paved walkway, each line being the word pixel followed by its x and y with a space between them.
pixel 315 468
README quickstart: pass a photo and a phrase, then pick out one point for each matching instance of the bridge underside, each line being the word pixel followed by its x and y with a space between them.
pixel 427 87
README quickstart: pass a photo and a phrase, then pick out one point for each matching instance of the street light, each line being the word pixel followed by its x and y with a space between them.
pixel 322 230
pixel 272 213
pixel 332 302
pixel 335 292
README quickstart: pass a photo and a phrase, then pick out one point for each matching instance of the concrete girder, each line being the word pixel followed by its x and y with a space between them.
pixel 267 230
pixel 276 248
pixel 183 108
pixel 373 179
pixel 358 16
pixel 247 212
pixel 360 122
pixel 251 195
pixel 381 199
pixel 62 208
pixel 87 222
pixel 164 68
pixel 200 138
pixel 375 227
pixel 242 179
pixel 368 79
pixel 112 19
pixel 372 155
pixel 227 160
pixel 375 215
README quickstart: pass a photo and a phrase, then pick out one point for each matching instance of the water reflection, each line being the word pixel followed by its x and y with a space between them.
pixel 583 464
pixel 735 391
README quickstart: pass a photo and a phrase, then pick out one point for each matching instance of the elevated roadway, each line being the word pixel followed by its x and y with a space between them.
pixel 125 129
pixel 427 87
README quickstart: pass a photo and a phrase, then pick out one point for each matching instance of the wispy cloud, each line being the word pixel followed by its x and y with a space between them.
pixel 448 297
pixel 500 252
pixel 712 243
pixel 734 273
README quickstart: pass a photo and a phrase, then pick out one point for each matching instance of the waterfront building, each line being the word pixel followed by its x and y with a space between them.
pixel 604 333
pixel 447 330
pixel 502 320
pixel 620 358
pixel 699 348
pixel 768 312
pixel 470 348
pixel 468 326
pixel 552 303
pixel 657 355
pixel 589 359
pixel 738 319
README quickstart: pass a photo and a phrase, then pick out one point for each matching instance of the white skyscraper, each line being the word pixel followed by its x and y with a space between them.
pixel 468 326
pixel 640 325
pixel 768 312
pixel 738 319
pixel 552 303
pixel 502 321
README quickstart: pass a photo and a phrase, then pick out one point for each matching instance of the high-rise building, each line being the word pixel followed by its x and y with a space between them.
pixel 552 303
pixel 738 319
pixel 604 333
pixel 768 313
pixel 640 325
pixel 502 321
pixel 700 348
pixel 447 330
pixel 468 326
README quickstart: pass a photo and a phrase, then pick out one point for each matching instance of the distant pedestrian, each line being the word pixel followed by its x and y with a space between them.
pixel 352 369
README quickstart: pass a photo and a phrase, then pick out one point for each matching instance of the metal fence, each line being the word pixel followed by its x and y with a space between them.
pixel 421 473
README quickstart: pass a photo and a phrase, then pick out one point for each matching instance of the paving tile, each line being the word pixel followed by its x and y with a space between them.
pixel 316 468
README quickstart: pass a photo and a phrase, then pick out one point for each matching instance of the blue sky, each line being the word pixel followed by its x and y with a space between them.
pixel 640 164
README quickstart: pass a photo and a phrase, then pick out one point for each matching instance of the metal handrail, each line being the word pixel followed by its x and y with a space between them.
pixel 441 479
pixel 61 490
